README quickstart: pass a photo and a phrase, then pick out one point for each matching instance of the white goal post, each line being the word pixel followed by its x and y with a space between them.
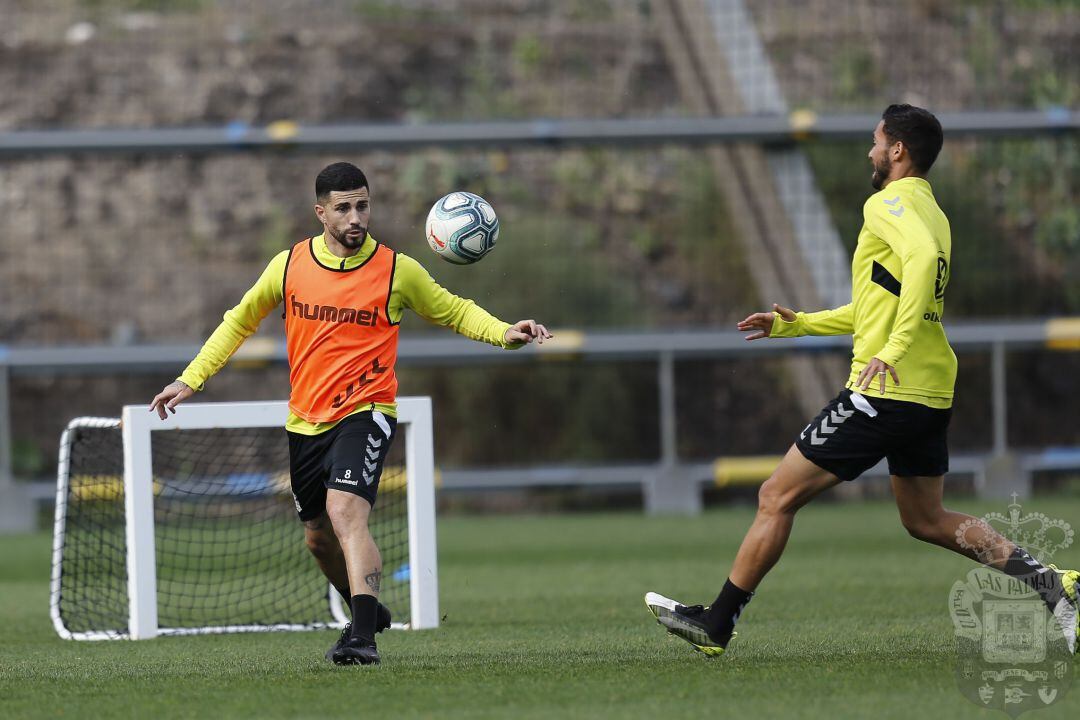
pixel 138 429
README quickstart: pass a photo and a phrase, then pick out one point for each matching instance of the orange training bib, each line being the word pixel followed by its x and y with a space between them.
pixel 342 346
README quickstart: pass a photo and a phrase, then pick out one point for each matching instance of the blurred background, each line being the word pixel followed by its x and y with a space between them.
pixel 661 169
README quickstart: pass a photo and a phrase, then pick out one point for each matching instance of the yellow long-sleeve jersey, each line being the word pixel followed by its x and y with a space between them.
pixel 898 279
pixel 412 287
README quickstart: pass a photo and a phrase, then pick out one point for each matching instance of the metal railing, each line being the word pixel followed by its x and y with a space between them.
pixel 669 484
pixel 284 134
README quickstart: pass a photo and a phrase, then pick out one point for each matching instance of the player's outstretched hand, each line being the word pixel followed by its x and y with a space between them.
pixel 761 323
pixel 875 369
pixel 172 395
pixel 524 332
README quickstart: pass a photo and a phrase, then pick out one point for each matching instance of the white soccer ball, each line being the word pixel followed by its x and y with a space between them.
pixel 462 227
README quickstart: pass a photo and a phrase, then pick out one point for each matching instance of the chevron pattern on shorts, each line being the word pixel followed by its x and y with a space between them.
pixel 837 416
pixel 371 462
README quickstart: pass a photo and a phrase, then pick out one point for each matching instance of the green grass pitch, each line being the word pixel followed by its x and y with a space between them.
pixel 544 618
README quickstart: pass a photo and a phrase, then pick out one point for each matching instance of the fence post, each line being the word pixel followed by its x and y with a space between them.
pixel 669 490
pixel 5 426
pixel 1000 408
pixel 1003 475
pixel 16 508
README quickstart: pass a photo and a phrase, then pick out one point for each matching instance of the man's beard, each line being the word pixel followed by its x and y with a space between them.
pixel 346 241
pixel 881 173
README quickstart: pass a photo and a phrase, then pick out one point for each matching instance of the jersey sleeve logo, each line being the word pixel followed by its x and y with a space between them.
pixel 898 211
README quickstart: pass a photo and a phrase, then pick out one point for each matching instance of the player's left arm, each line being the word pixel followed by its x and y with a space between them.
pixel 419 292
pixel 907 235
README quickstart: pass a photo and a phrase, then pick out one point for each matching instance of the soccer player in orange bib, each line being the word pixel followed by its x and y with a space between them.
pixel 344 295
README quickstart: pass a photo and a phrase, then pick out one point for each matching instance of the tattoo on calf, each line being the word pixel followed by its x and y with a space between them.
pixel 373 580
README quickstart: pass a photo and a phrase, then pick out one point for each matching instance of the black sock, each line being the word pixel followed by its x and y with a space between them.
pixel 1035 575
pixel 725 610
pixel 365 608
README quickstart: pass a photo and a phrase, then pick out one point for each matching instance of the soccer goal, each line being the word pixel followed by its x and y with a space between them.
pixel 187 526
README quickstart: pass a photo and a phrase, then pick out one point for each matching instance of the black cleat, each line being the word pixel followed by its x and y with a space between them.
pixel 356 651
pixel 382 622
pixel 686 622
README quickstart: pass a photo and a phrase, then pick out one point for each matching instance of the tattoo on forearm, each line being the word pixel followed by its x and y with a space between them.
pixel 373 579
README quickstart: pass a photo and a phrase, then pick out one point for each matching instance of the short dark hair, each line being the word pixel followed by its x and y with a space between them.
pixel 918 129
pixel 339 176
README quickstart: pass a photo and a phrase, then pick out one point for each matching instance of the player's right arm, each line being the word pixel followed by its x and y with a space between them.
pixel 237 324
pixel 784 322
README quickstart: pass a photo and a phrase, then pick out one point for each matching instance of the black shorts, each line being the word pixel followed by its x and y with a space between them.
pixel 347 457
pixel 854 432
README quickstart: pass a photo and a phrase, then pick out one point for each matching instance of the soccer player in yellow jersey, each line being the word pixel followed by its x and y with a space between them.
pixel 897 400
pixel 344 295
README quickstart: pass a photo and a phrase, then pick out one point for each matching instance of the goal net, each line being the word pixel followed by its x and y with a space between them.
pixel 188 526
